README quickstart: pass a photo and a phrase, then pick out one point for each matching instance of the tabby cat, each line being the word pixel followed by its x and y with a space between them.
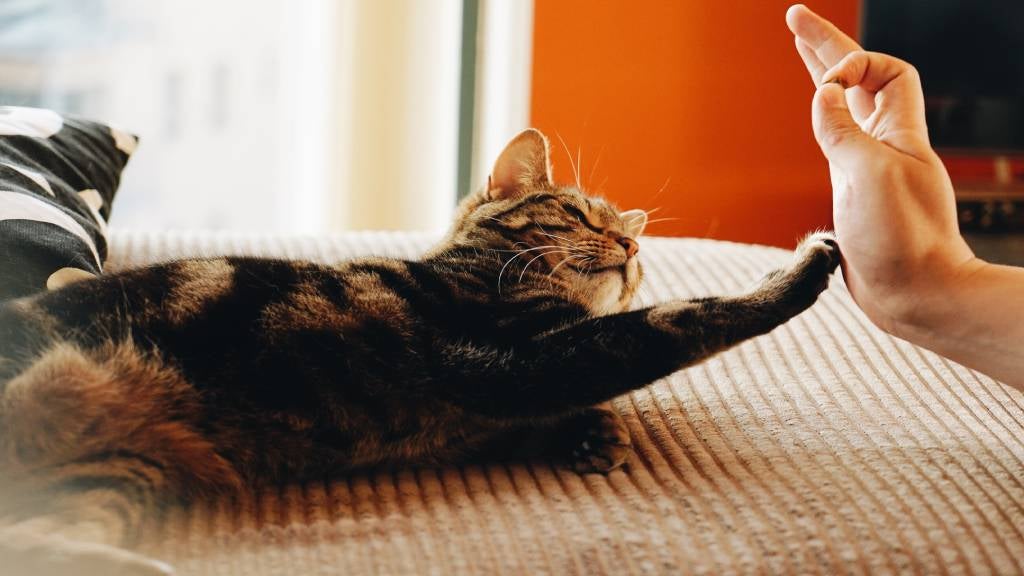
pixel 193 379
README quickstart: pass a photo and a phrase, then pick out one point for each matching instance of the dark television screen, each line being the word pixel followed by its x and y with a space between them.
pixel 970 54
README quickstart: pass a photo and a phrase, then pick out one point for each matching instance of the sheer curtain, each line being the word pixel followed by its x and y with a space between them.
pixel 260 115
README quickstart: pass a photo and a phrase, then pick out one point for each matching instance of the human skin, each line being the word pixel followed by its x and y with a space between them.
pixel 904 260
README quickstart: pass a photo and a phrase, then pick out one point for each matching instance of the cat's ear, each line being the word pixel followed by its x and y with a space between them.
pixel 524 165
pixel 634 222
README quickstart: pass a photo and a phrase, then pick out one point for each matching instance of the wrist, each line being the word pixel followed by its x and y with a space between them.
pixel 932 306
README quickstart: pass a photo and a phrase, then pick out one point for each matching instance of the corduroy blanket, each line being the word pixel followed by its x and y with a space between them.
pixel 824 447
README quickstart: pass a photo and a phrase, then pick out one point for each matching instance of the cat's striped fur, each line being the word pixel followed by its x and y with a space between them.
pixel 193 379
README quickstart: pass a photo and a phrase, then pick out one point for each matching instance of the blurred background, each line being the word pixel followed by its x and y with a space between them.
pixel 321 115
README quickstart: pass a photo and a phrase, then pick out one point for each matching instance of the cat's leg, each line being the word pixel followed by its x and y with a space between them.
pixel 79 517
pixel 597 359
pixel 90 443
pixel 77 533
pixel 593 440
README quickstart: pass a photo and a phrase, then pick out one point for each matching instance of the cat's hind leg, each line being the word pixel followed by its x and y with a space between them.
pixel 91 442
pixel 117 404
pixel 77 517
pixel 593 440
pixel 76 535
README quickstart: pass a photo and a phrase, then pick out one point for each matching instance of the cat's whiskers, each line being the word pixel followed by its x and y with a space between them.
pixel 590 179
pixel 564 260
pixel 574 251
pixel 558 237
pixel 510 260
pixel 660 190
pixel 575 170
pixel 501 250
pixel 637 217
pixel 586 263
pixel 514 247
pixel 661 220
pixel 579 166
pixel 541 255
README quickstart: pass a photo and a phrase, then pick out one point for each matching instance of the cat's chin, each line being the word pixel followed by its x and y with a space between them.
pixel 608 296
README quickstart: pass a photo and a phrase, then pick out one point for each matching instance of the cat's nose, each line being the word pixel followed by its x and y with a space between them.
pixel 630 245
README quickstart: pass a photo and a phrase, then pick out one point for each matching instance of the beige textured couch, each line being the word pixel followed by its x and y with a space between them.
pixel 824 447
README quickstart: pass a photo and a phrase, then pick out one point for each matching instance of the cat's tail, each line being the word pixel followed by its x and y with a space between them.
pixel 92 444
pixel 84 515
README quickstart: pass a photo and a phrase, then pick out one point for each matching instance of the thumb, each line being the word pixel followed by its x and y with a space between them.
pixel 838 135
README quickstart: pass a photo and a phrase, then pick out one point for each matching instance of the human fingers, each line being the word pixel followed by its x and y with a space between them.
pixel 871 71
pixel 814 66
pixel 838 134
pixel 896 86
pixel 829 44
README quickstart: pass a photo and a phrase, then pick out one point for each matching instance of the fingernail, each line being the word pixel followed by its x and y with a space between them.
pixel 835 80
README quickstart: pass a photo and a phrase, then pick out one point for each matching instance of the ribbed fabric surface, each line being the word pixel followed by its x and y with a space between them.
pixel 824 447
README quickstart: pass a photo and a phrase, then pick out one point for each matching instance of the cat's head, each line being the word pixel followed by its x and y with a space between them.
pixel 549 236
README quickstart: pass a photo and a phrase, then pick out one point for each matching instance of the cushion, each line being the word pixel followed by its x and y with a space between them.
pixel 824 447
pixel 58 177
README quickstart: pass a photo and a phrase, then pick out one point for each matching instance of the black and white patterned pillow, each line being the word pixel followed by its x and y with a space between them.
pixel 58 177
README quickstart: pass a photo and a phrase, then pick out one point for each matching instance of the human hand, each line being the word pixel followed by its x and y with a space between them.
pixel 893 202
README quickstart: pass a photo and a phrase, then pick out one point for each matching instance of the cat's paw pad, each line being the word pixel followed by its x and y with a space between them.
pixel 601 442
pixel 814 259
pixel 819 247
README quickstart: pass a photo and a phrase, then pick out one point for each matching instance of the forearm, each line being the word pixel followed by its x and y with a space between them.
pixel 975 318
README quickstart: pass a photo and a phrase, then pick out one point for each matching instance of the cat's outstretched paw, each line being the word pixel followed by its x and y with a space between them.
pixel 800 283
pixel 595 440
pixel 819 247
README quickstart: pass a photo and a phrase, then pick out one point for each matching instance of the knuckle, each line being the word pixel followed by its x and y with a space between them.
pixel 909 69
pixel 856 63
pixel 856 58
pixel 835 133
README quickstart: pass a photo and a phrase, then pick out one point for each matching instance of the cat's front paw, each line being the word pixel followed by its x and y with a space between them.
pixel 595 440
pixel 799 284
pixel 819 249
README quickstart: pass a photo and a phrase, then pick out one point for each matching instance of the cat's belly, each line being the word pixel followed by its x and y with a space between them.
pixel 270 446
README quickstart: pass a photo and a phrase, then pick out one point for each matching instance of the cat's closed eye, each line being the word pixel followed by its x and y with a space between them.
pixel 581 217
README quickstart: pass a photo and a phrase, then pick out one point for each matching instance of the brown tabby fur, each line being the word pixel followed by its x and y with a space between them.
pixel 192 379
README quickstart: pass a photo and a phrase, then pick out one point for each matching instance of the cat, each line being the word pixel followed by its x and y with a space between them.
pixel 193 379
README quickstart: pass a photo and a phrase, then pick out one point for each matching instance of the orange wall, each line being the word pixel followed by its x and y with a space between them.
pixel 708 96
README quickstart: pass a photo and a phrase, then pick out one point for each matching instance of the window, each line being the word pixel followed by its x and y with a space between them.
pixel 276 115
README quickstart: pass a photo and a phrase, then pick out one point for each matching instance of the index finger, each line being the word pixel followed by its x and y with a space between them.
pixel 829 43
